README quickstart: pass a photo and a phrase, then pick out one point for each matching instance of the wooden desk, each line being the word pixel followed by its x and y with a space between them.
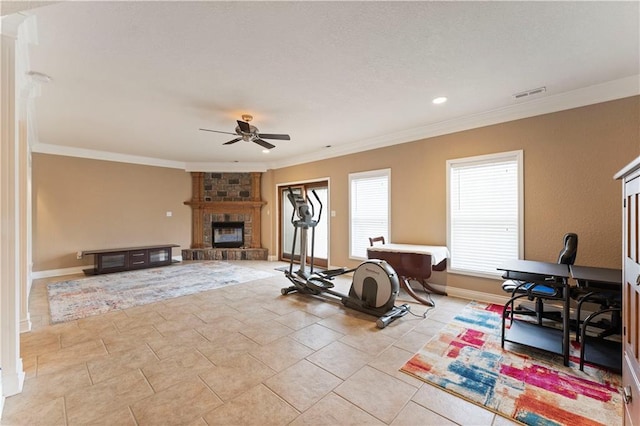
pixel 412 262
pixel 533 335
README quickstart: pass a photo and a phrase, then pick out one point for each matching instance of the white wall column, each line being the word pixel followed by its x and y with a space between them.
pixel 12 373
pixel 26 89
pixel 24 226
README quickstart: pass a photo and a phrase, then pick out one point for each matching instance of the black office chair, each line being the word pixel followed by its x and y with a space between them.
pixel 539 288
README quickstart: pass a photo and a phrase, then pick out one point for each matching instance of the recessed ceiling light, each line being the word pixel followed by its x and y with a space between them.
pixel 265 151
pixel 439 100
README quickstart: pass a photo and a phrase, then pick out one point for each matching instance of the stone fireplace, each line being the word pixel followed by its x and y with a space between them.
pixel 220 198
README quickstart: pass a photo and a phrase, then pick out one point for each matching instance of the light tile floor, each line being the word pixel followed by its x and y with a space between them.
pixel 239 355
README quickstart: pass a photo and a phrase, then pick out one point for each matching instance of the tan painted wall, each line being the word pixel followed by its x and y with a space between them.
pixel 570 158
pixel 82 204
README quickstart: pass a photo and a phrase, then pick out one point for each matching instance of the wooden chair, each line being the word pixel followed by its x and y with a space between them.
pixel 375 240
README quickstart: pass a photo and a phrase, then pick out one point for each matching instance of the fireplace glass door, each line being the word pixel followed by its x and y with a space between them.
pixel 321 244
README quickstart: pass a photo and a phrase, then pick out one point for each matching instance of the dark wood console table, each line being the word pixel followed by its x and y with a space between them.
pixel 126 259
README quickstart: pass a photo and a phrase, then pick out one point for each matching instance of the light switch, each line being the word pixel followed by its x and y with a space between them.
pixel 333 213
pixel 169 214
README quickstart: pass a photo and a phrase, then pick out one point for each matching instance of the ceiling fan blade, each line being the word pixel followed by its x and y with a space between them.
pixel 264 144
pixel 217 131
pixel 244 126
pixel 272 136
pixel 232 141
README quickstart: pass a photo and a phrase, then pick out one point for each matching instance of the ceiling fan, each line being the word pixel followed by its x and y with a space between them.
pixel 249 133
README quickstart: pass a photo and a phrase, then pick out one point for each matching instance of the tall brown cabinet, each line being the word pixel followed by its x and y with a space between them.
pixel 630 176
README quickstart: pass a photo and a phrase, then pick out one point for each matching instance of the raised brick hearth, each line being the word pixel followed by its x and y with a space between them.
pixel 225 197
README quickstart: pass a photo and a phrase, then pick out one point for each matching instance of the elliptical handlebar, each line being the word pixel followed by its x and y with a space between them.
pixel 313 191
pixel 292 199
pixel 304 209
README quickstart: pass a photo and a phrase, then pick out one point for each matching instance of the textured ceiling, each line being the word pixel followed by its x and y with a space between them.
pixel 136 80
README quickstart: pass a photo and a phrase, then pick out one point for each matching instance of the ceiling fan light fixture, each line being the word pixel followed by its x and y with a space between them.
pixel 249 133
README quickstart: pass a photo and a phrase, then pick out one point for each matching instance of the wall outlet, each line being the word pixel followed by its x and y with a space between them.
pixel 169 214
pixel 79 255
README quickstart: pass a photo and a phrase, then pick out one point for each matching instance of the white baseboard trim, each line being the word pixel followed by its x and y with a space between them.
pixel 501 300
pixel 472 294
pixel 25 324
pixel 12 382
pixel 58 272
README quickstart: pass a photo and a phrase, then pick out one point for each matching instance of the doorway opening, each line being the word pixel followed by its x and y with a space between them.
pixel 321 244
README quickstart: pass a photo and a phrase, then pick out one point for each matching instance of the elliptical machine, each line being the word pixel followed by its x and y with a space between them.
pixel 375 284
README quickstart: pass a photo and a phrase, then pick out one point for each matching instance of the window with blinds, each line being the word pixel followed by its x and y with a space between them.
pixel 369 194
pixel 484 213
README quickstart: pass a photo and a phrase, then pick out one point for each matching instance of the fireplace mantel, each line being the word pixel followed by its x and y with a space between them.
pixel 202 207
pixel 225 206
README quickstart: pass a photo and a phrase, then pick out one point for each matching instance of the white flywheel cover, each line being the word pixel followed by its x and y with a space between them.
pixel 381 273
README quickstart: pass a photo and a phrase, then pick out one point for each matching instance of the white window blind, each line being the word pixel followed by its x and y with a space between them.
pixel 369 209
pixel 484 212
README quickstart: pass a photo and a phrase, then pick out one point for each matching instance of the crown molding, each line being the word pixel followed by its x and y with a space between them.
pixel 604 92
pixel 69 151
pixel 10 24
pixel 226 167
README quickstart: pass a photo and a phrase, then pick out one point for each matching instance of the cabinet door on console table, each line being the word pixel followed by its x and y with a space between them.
pixel 112 262
pixel 160 256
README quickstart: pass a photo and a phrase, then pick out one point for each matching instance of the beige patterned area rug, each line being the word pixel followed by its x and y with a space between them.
pixel 71 300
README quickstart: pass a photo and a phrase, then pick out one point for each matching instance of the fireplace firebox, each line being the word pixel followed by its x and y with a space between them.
pixel 227 234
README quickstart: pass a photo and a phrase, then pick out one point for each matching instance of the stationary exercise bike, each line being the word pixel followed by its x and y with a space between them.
pixel 375 283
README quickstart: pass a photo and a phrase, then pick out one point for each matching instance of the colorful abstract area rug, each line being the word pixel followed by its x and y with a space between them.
pixel 531 387
pixel 71 300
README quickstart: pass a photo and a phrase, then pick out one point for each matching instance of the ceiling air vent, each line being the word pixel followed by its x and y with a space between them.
pixel 529 93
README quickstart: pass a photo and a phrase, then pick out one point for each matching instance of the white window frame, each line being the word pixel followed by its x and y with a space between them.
pixel 367 175
pixel 516 156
